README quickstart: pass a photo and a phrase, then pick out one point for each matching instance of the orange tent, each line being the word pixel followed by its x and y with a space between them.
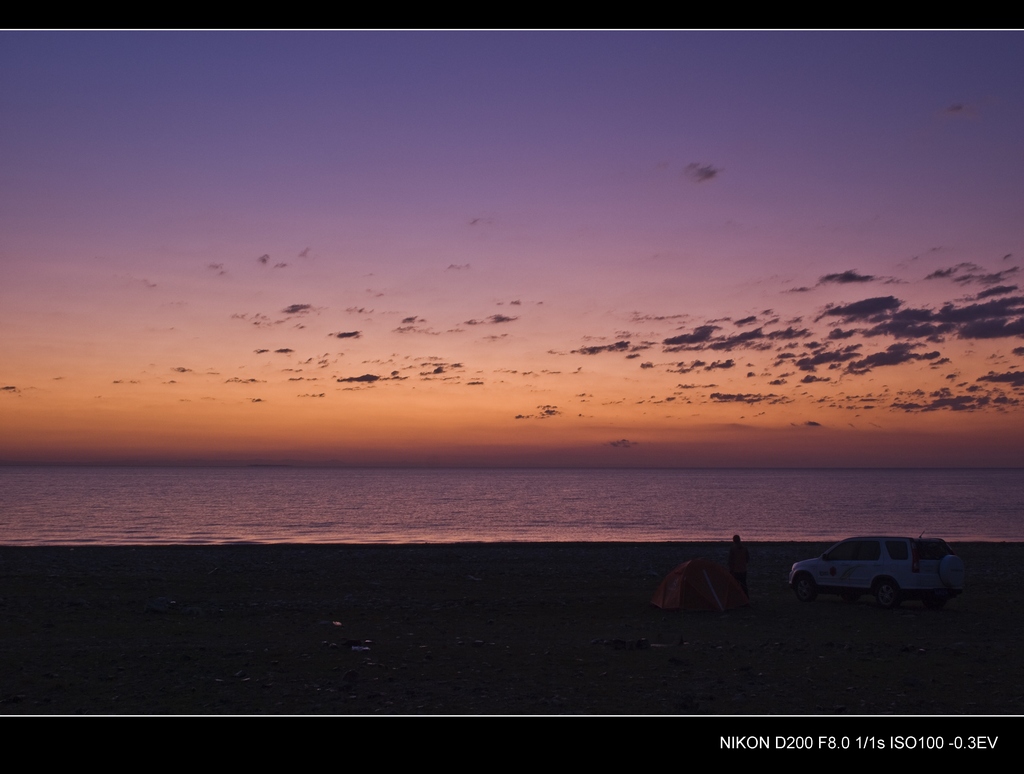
pixel 699 585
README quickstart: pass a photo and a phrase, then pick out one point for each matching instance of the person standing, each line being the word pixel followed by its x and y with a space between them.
pixel 738 558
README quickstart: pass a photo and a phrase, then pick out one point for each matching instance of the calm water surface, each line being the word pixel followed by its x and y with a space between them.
pixel 117 506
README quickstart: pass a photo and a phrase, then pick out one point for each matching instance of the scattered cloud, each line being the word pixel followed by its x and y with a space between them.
pixel 416 329
pixel 1013 378
pixel 637 317
pixel 618 346
pixel 701 173
pixel 960 111
pixel 700 335
pixel 839 333
pixel 945 400
pixel 370 378
pixel 787 334
pixel 723 397
pixel 721 364
pixel 543 412
pixel 703 338
pixel 999 290
pixel 685 368
pixel 845 278
pixel 991 278
pixel 863 310
pixel 896 354
pixel 494 319
pixel 970 273
pixel 141 281
pixel 997 318
pixel 827 357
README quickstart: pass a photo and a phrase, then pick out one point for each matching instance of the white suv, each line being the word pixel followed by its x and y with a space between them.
pixel 891 568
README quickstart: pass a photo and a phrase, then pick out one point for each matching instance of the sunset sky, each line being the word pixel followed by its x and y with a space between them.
pixel 565 249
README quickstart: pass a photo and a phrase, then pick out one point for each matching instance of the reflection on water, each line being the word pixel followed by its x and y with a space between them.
pixel 40 506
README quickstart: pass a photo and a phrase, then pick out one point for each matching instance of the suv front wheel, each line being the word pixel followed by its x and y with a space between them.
pixel 804 588
pixel 887 592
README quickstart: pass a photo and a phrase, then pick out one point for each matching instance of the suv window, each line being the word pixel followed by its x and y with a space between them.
pixel 932 549
pixel 897 549
pixel 868 550
pixel 843 552
pixel 855 550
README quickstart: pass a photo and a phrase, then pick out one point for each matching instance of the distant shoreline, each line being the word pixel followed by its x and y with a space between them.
pixel 339 466
pixel 473 543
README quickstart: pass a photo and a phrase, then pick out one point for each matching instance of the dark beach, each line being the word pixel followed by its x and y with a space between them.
pixel 541 628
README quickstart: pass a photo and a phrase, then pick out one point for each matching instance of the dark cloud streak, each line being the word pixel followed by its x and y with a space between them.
pixel 701 173
pixel 847 277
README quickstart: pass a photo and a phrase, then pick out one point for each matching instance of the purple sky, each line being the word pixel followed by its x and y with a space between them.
pixel 190 219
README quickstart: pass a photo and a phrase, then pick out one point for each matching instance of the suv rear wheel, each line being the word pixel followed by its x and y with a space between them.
pixel 887 592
